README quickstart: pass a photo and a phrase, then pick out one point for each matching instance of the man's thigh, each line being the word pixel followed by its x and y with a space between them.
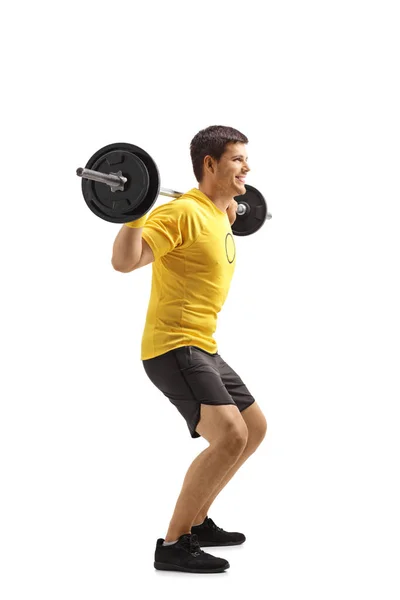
pixel 234 385
pixel 190 379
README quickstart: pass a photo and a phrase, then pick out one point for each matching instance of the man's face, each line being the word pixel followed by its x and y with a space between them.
pixel 231 170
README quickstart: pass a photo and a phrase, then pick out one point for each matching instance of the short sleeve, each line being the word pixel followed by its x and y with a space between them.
pixel 163 230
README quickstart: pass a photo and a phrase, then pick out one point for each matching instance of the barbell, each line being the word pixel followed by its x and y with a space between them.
pixel 121 182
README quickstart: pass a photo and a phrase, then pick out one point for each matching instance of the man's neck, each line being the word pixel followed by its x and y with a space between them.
pixel 220 199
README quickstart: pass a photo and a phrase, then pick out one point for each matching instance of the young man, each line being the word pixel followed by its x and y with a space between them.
pixel 190 242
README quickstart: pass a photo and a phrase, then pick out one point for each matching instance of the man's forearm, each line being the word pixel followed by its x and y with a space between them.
pixel 127 248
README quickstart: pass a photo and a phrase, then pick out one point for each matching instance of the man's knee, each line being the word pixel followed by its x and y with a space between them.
pixel 224 426
pixel 256 425
pixel 232 437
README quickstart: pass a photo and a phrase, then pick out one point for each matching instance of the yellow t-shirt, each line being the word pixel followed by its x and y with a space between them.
pixel 194 262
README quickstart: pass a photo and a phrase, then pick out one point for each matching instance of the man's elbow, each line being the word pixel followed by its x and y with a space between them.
pixel 122 267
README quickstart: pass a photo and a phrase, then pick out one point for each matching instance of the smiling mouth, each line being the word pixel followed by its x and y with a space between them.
pixel 241 179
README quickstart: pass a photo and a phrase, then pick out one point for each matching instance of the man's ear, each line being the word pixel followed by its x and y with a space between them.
pixel 209 163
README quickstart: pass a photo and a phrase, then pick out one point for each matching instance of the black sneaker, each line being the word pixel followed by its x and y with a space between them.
pixel 186 555
pixel 209 534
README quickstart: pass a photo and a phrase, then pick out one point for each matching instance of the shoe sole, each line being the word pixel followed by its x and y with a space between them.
pixel 167 567
pixel 208 544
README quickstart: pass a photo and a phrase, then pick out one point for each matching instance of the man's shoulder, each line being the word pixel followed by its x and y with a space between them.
pixel 175 206
pixel 184 210
pixel 185 204
pixel 189 197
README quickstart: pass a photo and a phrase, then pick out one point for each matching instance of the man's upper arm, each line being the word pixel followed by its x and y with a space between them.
pixel 163 229
pixel 167 229
pixel 146 257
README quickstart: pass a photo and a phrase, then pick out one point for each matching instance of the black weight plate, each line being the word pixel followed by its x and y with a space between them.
pixel 112 206
pixel 140 190
pixel 117 204
pixel 255 217
pixel 154 183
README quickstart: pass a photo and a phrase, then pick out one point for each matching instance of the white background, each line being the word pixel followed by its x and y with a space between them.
pixel 92 455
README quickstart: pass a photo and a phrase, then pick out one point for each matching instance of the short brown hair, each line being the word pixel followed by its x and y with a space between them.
pixel 212 141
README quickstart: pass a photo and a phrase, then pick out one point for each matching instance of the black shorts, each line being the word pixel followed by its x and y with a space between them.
pixel 189 376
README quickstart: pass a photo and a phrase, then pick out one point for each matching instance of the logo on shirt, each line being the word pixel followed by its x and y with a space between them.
pixel 230 248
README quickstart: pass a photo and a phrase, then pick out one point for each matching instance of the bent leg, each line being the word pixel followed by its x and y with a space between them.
pixel 256 424
pixel 225 430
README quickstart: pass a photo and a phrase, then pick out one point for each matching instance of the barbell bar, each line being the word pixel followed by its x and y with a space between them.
pixel 116 181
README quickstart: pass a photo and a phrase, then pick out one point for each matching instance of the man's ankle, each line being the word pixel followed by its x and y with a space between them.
pixel 175 535
pixel 199 521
